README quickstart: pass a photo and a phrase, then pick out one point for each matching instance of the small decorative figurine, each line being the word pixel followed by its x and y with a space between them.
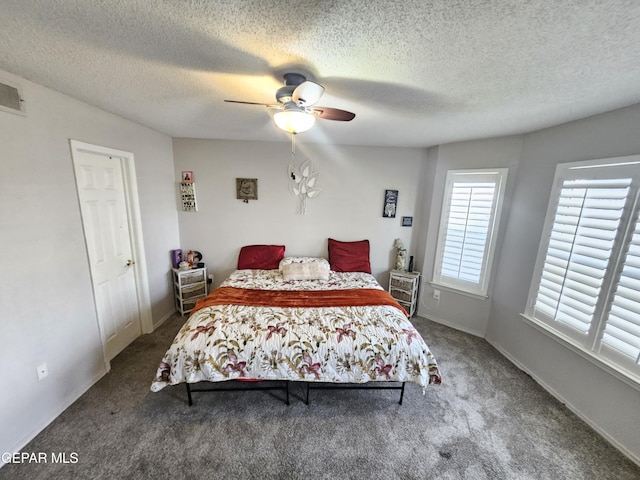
pixel 401 256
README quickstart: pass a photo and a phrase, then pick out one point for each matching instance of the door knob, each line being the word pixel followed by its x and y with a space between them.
pixel 130 262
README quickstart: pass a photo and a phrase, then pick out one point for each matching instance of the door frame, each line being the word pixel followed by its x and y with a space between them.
pixel 132 205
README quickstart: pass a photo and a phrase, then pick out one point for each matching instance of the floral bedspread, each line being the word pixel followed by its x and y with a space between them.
pixel 320 344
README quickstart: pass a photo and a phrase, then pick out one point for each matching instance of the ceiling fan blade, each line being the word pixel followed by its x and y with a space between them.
pixel 307 93
pixel 268 105
pixel 332 114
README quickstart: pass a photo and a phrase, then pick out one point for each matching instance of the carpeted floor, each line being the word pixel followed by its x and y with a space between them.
pixel 488 420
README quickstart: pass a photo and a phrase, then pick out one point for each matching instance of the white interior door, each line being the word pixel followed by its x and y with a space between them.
pixel 102 195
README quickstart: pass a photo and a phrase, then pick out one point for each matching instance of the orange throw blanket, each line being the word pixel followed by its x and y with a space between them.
pixel 356 297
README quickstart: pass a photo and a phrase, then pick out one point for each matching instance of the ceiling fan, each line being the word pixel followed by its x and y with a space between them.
pixel 296 100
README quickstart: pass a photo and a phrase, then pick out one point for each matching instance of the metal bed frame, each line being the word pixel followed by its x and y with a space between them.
pixel 237 388
pixel 285 388
pixel 351 386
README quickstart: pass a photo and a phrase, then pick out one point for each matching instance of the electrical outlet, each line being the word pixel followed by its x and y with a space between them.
pixel 42 370
pixel 436 294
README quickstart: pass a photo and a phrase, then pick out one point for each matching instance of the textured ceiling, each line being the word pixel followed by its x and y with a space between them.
pixel 416 73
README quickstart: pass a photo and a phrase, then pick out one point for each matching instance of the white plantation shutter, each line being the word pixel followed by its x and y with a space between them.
pixel 582 238
pixel 622 330
pixel 467 230
pixel 586 287
pixel 471 207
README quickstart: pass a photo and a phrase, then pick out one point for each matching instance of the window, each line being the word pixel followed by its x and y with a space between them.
pixel 468 226
pixel 586 286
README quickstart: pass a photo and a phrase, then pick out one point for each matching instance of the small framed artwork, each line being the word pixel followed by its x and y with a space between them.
pixel 407 221
pixel 188 193
pixel 247 189
pixel 187 176
pixel 390 203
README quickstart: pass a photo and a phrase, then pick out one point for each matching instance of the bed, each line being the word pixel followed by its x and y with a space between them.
pixel 304 321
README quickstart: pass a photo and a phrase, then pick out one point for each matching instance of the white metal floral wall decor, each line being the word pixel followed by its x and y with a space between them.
pixel 303 182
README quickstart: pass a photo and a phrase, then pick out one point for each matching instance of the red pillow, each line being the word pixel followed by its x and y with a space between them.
pixel 265 257
pixel 349 256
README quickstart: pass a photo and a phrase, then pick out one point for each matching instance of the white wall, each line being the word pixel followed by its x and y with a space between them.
pixel 353 181
pixel 454 309
pixel 47 313
pixel 608 404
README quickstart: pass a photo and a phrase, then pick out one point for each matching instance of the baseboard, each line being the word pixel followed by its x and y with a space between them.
pixel 36 431
pixel 569 405
pixel 163 319
pixel 455 326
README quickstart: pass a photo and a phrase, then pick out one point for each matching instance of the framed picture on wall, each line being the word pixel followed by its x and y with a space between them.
pixel 188 193
pixel 247 188
pixel 390 203
pixel 407 221
pixel 187 176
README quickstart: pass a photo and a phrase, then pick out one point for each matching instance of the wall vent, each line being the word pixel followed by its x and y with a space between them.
pixel 11 98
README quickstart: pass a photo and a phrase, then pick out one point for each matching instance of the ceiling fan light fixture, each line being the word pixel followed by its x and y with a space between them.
pixel 296 102
pixel 294 121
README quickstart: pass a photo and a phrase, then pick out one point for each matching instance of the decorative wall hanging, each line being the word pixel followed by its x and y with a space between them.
pixel 187 176
pixel 247 189
pixel 390 203
pixel 407 221
pixel 303 181
pixel 188 192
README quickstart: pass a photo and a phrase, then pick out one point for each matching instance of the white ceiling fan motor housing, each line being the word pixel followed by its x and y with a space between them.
pixel 307 93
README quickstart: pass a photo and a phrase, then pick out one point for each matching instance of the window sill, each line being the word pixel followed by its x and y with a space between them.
pixel 451 289
pixel 627 377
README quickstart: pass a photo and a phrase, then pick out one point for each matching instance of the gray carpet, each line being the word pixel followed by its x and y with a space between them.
pixel 488 420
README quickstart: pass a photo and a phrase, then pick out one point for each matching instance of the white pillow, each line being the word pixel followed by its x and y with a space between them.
pixel 290 260
pixel 306 271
